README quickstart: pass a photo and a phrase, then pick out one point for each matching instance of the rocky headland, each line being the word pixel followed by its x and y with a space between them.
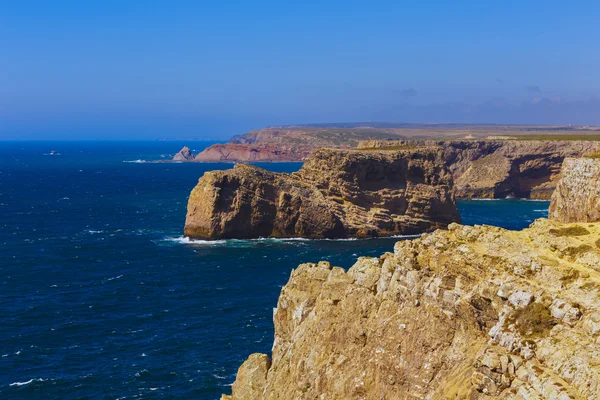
pixel 297 142
pixel 336 194
pixel 490 164
pixel 577 195
pixel 501 168
pixel 471 312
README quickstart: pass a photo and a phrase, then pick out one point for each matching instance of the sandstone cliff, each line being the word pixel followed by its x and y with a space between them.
pixel 336 194
pixel 501 168
pixel 577 195
pixel 466 313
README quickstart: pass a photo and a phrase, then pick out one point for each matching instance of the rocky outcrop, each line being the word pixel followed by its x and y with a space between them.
pixel 184 154
pixel 465 313
pixel 501 168
pixel 297 142
pixel 290 143
pixel 336 194
pixel 577 195
pixel 251 153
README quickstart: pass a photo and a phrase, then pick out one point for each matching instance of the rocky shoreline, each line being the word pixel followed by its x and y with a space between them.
pixel 471 312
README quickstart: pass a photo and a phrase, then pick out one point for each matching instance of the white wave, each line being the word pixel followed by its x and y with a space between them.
pixel 93 232
pixel 116 277
pixel 136 161
pixel 187 240
pixel 541 210
pixel 27 382
pixel 242 242
pixel 504 199
pixel 477 199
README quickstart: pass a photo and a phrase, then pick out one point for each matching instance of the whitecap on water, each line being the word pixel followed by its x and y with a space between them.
pixel 251 242
pixel 27 382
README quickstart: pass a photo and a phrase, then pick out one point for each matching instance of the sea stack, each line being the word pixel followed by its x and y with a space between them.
pixel 577 195
pixel 336 194
pixel 184 154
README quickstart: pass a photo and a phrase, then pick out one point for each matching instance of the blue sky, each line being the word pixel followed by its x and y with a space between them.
pixel 207 69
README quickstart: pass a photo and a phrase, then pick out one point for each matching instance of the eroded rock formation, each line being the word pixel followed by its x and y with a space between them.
pixel 577 195
pixel 336 194
pixel 501 168
pixel 185 154
pixel 465 313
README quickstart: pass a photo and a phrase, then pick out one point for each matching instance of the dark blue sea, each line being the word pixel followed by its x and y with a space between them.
pixel 102 298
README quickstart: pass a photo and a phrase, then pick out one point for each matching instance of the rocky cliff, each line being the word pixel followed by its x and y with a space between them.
pixel 501 168
pixel 297 142
pixel 290 143
pixel 185 154
pixel 336 194
pixel 251 153
pixel 465 313
pixel 577 195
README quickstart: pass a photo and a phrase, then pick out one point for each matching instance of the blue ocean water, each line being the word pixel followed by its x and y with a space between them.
pixel 102 298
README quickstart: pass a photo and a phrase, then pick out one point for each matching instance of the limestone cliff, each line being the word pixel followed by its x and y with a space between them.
pixel 577 195
pixel 501 168
pixel 465 313
pixel 336 194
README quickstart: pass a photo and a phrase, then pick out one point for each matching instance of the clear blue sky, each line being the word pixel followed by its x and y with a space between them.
pixel 182 69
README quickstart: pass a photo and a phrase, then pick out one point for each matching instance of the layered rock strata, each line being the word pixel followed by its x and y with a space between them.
pixel 501 168
pixel 465 313
pixel 577 195
pixel 336 194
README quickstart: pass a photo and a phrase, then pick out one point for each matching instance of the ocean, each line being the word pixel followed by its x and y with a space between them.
pixel 102 298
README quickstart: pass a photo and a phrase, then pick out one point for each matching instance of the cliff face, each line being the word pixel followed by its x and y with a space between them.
pixel 290 143
pixel 502 168
pixel 577 195
pixel 465 313
pixel 251 153
pixel 336 194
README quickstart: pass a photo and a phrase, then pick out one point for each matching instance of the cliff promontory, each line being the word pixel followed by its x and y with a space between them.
pixel 465 313
pixel 501 168
pixel 297 142
pixel 336 194
pixel 577 195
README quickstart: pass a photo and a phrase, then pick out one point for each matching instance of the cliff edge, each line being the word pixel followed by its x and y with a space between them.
pixel 501 168
pixel 336 194
pixel 465 313
pixel 577 195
